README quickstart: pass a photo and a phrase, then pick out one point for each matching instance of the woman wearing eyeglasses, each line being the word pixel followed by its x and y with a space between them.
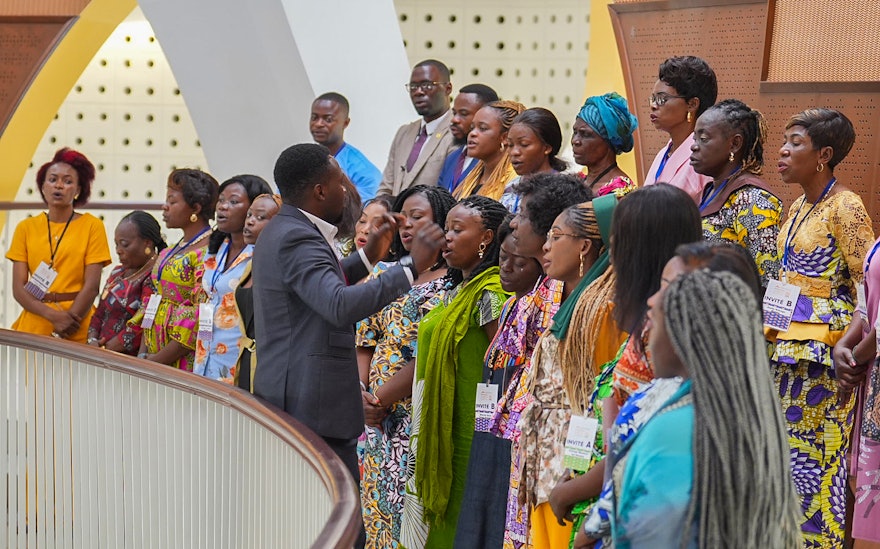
pixel 685 88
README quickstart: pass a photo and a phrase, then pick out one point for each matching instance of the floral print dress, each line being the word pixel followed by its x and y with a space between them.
pixel 384 454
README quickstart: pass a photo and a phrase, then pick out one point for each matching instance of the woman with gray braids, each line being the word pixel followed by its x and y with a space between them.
pixel 737 206
pixel 691 477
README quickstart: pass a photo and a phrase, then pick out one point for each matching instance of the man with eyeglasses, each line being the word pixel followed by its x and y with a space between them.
pixel 420 147
pixel 327 125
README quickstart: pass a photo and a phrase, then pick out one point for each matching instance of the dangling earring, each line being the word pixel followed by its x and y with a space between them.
pixel 482 250
pixel 193 217
pixel 731 156
pixel 820 168
pixel 581 268
pixel 690 117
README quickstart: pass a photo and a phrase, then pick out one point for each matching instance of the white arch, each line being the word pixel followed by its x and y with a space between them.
pixel 248 71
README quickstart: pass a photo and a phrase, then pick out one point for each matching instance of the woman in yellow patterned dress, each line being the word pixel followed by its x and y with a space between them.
pixel 170 338
pixel 737 206
pixel 822 243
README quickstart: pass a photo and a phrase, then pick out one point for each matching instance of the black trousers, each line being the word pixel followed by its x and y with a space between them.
pixel 346 449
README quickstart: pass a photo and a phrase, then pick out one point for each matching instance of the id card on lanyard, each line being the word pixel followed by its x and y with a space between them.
pixel 780 300
pixel 39 282
pixel 487 399
pixel 579 442
pixel 150 311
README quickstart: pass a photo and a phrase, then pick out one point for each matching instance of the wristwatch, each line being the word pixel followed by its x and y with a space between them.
pixel 407 262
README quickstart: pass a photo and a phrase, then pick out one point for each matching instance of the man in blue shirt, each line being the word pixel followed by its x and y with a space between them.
pixel 469 100
pixel 327 125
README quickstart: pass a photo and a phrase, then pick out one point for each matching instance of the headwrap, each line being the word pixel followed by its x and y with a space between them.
pixel 609 116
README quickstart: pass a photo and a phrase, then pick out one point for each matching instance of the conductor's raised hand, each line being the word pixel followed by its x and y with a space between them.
pixel 426 246
pixel 381 236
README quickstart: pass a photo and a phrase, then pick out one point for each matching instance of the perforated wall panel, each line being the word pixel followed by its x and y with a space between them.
pixel 842 48
pixel 535 53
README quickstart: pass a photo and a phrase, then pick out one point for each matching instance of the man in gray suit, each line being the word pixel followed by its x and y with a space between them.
pixel 420 147
pixel 306 303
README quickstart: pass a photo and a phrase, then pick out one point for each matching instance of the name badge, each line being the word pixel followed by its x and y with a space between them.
pixel 487 398
pixel 150 311
pixel 780 300
pixel 579 443
pixel 39 282
pixel 861 302
pixel 206 322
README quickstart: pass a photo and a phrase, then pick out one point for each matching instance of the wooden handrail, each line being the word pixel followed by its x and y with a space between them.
pixel 343 525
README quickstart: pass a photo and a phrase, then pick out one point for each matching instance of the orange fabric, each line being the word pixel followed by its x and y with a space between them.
pixel 545 531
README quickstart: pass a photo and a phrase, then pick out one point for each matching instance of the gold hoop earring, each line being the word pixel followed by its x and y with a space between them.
pixel 731 156
pixel 581 268
pixel 193 217
pixel 820 168
pixel 482 250
pixel 689 117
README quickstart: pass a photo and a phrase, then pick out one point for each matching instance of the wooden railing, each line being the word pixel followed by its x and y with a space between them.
pixel 103 450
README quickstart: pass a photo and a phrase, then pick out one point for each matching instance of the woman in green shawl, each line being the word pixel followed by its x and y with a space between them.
pixel 452 341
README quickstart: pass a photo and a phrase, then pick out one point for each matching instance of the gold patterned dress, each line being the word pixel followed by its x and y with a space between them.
pixel 750 218
pixel 824 260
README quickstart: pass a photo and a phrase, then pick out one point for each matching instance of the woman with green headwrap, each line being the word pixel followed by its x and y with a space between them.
pixel 602 130
pixel 567 360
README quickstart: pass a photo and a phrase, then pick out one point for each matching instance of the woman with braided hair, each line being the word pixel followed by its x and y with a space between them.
pixel 487 142
pixel 385 350
pixel 602 130
pixel 737 205
pixel 452 341
pixel 691 477
pixel 582 337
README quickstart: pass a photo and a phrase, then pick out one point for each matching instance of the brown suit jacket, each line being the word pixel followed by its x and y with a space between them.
pixel 427 168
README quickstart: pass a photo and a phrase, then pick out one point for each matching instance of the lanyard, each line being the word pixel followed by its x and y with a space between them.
pixel 871 256
pixel 178 248
pixel 221 264
pixel 708 200
pixel 791 235
pixel 663 162
pixel 54 251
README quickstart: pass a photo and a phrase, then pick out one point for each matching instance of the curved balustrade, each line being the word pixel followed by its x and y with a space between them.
pixel 100 450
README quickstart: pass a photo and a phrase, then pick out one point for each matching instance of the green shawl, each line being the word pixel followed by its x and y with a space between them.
pixel 434 454
pixel 603 207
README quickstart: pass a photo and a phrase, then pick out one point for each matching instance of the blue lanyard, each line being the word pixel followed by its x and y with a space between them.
pixel 177 248
pixel 663 162
pixel 705 203
pixel 221 261
pixel 871 256
pixel 791 235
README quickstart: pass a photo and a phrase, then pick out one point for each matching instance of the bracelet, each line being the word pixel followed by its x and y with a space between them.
pixel 363 387
pixel 142 355
pixel 92 340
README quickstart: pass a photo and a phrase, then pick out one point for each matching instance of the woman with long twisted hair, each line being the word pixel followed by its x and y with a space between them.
pixel 691 477
pixel 487 142
pixel 582 337
pixel 737 205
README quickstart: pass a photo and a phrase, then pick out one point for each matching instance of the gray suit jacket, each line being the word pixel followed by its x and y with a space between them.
pixel 427 168
pixel 304 312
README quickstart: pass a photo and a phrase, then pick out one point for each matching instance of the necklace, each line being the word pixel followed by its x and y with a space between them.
pixel 604 173
pixel 140 271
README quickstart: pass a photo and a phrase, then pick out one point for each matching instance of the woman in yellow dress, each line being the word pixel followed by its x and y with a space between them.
pixel 57 257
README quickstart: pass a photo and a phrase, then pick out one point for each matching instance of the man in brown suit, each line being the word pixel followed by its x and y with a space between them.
pixel 420 147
